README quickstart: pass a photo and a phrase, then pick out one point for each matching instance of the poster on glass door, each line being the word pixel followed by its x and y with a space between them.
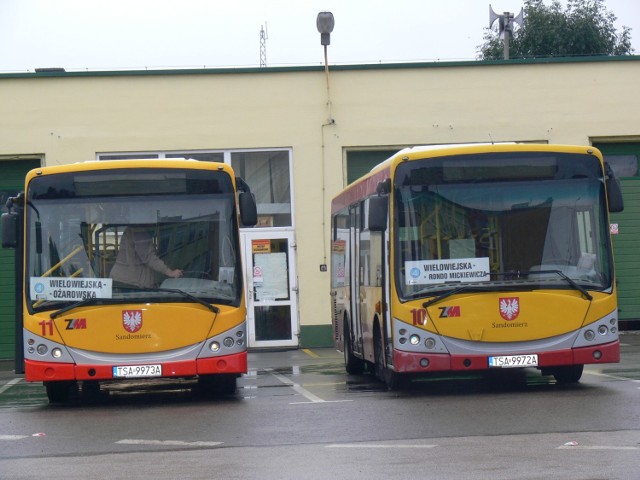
pixel 270 279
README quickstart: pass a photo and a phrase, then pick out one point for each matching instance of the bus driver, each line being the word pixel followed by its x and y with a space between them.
pixel 137 262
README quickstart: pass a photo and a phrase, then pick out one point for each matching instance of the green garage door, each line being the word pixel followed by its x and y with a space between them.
pixel 623 158
pixel 11 182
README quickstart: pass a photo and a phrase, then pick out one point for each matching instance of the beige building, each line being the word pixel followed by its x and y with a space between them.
pixel 297 140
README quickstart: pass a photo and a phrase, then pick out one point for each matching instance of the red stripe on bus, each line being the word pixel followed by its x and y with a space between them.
pixel 359 190
pixel 51 371
pixel 409 362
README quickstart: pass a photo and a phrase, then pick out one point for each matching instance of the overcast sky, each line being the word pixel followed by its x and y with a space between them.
pixel 134 34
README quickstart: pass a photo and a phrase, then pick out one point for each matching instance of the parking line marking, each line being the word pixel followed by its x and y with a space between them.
pixel 13 437
pixel 9 384
pixel 310 353
pixel 596 447
pixel 298 388
pixel 168 443
pixel 615 377
pixel 375 445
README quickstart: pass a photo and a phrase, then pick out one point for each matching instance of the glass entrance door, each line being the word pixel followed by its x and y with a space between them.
pixel 271 289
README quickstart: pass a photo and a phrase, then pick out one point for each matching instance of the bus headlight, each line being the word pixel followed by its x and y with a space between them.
pixel 42 349
pixel 589 335
pixel 56 353
pixel 603 330
pixel 414 339
pixel 214 346
pixel 228 342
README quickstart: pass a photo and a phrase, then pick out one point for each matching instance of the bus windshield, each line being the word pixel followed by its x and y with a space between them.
pixel 500 221
pixel 133 235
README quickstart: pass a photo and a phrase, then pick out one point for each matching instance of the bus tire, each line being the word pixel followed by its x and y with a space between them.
pixel 568 374
pixel 352 364
pixel 59 392
pixel 391 379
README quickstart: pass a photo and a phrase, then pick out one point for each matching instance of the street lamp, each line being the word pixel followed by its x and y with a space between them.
pixel 325 23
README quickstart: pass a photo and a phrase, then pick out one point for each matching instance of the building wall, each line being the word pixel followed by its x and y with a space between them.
pixel 70 117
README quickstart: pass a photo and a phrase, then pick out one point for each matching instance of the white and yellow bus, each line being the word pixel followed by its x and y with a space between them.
pixel 476 257
pixel 78 326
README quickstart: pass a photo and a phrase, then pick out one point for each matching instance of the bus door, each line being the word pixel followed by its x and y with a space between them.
pixel 355 320
pixel 370 277
pixel 271 289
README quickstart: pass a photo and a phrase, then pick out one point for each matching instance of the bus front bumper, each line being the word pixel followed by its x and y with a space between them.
pixel 413 362
pixel 50 371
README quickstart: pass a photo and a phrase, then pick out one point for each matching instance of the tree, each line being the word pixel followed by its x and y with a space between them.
pixel 585 27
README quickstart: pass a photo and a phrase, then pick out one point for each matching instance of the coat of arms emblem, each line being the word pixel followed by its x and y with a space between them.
pixel 509 308
pixel 132 320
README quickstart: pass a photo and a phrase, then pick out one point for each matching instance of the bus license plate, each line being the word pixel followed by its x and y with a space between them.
pixel 513 361
pixel 137 371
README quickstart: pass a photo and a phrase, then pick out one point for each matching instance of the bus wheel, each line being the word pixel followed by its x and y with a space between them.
pixel 568 374
pixel 353 365
pixel 391 379
pixel 59 392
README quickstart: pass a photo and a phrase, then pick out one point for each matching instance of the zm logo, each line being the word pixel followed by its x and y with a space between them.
pixel 76 323
pixel 446 312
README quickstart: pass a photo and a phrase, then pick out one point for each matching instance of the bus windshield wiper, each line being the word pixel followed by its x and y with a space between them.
pixel 81 303
pixel 460 289
pixel 569 280
pixel 89 301
pixel 468 288
pixel 213 308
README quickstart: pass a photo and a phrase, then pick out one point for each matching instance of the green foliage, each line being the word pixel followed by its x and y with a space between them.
pixel 585 27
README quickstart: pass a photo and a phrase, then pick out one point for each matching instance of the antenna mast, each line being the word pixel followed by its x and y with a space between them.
pixel 263 45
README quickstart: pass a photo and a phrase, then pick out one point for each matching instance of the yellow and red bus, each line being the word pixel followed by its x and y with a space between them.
pixel 476 257
pixel 185 317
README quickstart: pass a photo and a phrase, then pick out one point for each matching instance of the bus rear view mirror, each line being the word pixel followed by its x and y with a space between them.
pixel 614 191
pixel 377 220
pixel 9 225
pixel 248 209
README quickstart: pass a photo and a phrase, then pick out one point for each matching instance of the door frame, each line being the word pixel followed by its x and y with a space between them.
pixel 246 238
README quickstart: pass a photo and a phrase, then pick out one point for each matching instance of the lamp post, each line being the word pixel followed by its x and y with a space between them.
pixel 325 23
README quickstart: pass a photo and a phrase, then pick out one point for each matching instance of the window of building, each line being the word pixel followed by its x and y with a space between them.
pixel 203 157
pixel 623 157
pixel 360 162
pixel 267 172
pixel 127 156
pixel 623 165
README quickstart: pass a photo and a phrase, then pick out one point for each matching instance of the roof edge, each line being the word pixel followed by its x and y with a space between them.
pixel 62 73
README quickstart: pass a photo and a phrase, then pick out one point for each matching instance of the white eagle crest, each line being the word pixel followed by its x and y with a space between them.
pixel 132 320
pixel 509 308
